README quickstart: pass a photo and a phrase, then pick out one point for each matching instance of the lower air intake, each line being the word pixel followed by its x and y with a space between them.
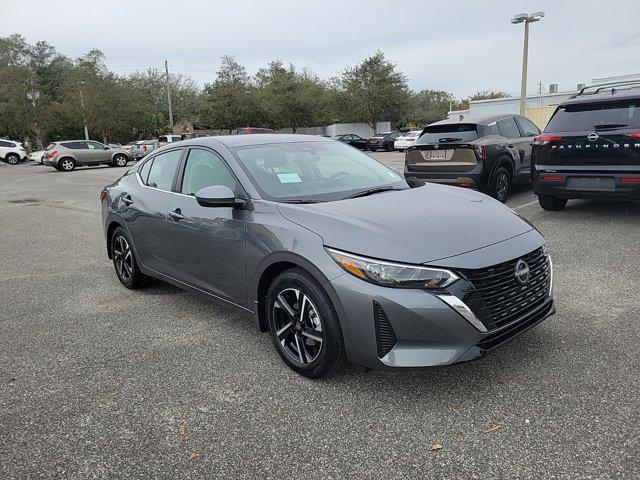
pixel 385 336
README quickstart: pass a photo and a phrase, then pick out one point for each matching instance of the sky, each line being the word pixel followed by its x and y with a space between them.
pixel 460 46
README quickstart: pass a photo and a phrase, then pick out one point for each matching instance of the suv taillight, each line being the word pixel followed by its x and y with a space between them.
pixel 634 135
pixel 53 154
pixel 544 139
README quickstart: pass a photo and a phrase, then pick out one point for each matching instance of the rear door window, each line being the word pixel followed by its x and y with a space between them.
pixel 507 128
pixel 163 170
pixel 596 116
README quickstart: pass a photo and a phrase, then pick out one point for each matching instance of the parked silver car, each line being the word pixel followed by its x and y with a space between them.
pixel 137 150
pixel 67 155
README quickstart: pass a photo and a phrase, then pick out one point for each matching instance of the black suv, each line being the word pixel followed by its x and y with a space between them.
pixel 489 154
pixel 590 147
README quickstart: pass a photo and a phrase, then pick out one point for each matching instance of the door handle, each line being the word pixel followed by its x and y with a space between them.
pixel 127 200
pixel 176 214
pixel 510 145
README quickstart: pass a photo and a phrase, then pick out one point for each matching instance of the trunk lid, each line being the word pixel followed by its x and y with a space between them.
pixel 598 136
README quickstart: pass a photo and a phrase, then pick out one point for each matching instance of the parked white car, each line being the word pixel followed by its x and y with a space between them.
pixel 405 141
pixel 12 152
pixel 36 156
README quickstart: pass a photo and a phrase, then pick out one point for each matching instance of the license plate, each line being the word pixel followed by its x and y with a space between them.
pixel 438 154
pixel 591 183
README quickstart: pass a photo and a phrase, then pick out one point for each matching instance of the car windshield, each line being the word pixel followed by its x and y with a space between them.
pixel 457 132
pixel 595 116
pixel 313 171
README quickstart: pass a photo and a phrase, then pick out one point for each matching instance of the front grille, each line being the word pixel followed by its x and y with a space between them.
pixel 498 297
pixel 385 336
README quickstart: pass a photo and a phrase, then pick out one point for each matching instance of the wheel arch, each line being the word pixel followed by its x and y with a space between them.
pixel 270 268
pixel 501 161
pixel 113 224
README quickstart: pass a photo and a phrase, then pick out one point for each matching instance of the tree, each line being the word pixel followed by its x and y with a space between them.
pixel 429 106
pixel 374 91
pixel 230 101
pixel 481 95
pixel 290 99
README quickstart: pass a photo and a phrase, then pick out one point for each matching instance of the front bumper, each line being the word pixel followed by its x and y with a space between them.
pixel 428 331
pixel 557 187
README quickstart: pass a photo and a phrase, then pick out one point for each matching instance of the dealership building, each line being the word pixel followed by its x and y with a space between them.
pixel 540 106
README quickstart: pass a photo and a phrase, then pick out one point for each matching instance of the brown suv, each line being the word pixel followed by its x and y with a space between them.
pixel 489 154
pixel 67 155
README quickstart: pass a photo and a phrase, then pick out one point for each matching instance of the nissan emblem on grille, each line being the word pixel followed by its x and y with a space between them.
pixel 522 272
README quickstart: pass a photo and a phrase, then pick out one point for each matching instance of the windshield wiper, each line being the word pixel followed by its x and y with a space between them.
pixel 299 201
pixel 371 191
pixel 604 126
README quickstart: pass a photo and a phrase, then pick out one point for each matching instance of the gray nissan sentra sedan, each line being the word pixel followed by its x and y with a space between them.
pixel 335 255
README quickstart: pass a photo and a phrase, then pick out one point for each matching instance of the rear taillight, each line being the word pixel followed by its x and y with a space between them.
pixel 552 178
pixel 634 135
pixel 53 154
pixel 103 193
pixel 545 139
pixel 144 147
pixel 630 179
pixel 410 139
pixel 481 152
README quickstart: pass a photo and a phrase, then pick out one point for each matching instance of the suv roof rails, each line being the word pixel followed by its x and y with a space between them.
pixel 604 86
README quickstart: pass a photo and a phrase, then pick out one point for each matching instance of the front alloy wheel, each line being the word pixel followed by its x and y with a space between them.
pixel 12 159
pixel 298 326
pixel 304 326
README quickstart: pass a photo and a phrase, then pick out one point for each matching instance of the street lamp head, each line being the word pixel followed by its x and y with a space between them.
pixel 519 18
pixel 534 17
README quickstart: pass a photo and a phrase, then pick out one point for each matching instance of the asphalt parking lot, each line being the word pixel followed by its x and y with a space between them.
pixel 100 382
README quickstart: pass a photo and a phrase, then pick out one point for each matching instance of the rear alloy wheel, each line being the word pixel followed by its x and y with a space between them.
pixel 304 326
pixel 501 184
pixel 553 204
pixel 12 159
pixel 67 164
pixel 124 261
pixel 119 161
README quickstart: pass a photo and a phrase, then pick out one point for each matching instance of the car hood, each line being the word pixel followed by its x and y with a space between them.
pixel 418 225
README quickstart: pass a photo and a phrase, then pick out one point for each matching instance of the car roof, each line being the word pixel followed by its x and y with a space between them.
pixel 608 95
pixel 471 119
pixel 231 141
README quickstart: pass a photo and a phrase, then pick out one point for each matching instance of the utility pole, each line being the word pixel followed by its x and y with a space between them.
pixel 84 114
pixel 166 69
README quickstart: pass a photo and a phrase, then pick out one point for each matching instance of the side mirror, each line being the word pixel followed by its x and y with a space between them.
pixel 218 196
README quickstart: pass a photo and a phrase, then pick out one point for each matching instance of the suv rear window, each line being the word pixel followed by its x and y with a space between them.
pixel 595 116
pixel 458 132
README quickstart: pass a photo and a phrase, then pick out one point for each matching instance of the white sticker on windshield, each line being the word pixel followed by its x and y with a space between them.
pixel 289 178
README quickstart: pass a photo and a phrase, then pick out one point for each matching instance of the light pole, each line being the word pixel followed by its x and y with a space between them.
pixel 84 113
pixel 527 19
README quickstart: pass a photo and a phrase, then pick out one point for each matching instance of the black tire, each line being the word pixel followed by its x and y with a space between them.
pixel 12 159
pixel 553 204
pixel 317 361
pixel 119 160
pixel 66 164
pixel 390 148
pixel 500 184
pixel 125 262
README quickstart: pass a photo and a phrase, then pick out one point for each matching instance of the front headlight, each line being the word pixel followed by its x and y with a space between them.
pixel 391 274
